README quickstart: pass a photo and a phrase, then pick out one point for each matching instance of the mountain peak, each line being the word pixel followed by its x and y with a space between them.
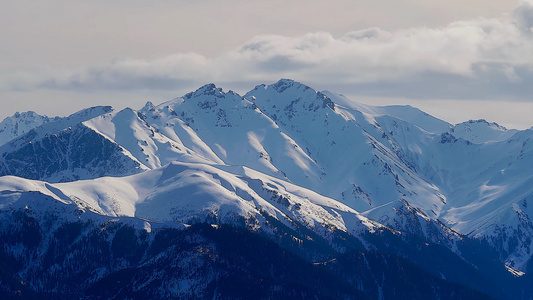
pixel 483 121
pixel 91 112
pixel 149 106
pixel 284 84
pixel 281 85
pixel 209 89
pixel 21 123
pixel 481 131
pixel 29 113
pixel 26 115
pixel 293 94
pixel 478 121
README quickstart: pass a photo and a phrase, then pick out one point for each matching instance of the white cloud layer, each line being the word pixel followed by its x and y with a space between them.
pixel 475 59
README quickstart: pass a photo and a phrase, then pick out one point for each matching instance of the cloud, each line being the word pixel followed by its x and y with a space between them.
pixel 157 73
pixel 475 59
pixel 523 16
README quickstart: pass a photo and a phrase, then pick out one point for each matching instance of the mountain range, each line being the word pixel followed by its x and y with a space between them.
pixel 183 199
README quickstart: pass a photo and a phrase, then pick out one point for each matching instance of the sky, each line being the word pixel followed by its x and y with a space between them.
pixel 457 60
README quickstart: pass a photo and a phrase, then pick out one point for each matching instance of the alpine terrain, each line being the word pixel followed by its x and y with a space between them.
pixel 284 192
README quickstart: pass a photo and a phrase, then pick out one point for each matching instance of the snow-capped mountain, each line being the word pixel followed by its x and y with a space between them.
pixel 293 164
pixel 21 123
pixel 65 150
pixel 481 131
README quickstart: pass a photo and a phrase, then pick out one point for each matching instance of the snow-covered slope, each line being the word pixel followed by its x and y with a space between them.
pixel 489 191
pixel 146 143
pixel 406 113
pixel 479 167
pixel 228 129
pixel 358 168
pixel 485 181
pixel 191 193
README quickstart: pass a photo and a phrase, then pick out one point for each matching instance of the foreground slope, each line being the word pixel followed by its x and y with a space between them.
pixel 185 193
pixel 133 229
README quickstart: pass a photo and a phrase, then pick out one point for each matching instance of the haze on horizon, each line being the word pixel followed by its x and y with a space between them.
pixel 455 60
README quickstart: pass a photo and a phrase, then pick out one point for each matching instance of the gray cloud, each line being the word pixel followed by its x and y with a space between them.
pixel 475 59
pixel 130 74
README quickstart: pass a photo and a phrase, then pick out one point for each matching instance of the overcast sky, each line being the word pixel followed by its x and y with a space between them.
pixel 457 60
